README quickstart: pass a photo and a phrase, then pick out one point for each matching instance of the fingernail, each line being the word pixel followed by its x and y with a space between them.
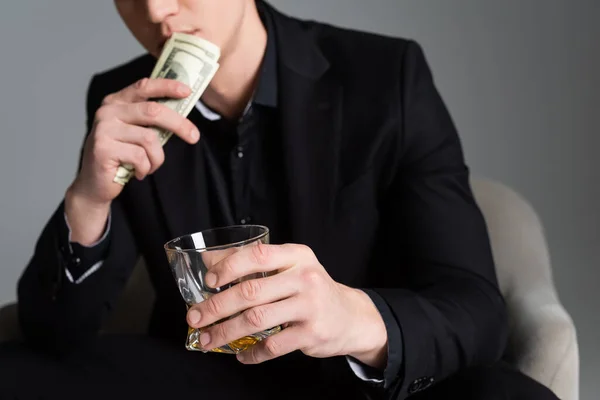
pixel 204 338
pixel 182 90
pixel 241 357
pixel 194 317
pixel 194 134
pixel 210 279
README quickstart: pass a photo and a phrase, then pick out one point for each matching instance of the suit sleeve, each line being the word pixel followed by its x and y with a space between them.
pixel 57 315
pixel 443 294
pixel 85 260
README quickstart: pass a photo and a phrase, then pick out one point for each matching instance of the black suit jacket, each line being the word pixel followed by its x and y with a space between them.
pixel 378 188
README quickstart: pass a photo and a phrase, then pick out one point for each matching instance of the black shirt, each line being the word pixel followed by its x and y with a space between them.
pixel 244 157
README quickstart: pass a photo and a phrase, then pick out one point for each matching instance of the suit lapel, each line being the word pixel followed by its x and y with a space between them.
pixel 310 151
pixel 311 104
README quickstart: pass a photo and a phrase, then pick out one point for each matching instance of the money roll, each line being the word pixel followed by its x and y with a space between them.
pixel 187 59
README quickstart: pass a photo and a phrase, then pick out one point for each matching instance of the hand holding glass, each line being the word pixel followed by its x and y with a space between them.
pixel 192 256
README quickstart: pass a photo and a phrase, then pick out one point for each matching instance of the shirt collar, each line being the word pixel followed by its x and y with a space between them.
pixel 267 90
pixel 266 93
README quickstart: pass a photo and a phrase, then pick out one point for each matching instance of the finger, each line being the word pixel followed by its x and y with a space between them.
pixel 151 113
pixel 282 343
pixel 132 154
pixel 245 295
pixel 147 88
pixel 210 258
pixel 251 321
pixel 146 138
pixel 255 258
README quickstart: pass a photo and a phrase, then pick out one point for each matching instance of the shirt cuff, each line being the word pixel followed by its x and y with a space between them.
pixel 83 260
pixel 365 372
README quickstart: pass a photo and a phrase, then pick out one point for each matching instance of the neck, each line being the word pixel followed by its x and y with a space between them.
pixel 233 85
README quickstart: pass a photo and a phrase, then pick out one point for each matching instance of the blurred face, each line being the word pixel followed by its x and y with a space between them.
pixel 153 21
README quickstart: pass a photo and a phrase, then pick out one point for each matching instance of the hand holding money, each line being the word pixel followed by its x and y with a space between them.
pixel 122 145
pixel 189 60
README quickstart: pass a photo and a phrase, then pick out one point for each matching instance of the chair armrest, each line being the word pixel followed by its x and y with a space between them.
pixel 131 316
pixel 543 342
pixel 9 323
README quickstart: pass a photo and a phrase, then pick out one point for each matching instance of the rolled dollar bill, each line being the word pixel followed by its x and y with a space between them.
pixel 188 59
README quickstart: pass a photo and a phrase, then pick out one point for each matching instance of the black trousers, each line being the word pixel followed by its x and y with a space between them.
pixel 144 368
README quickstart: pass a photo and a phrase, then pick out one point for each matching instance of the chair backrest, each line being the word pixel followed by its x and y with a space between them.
pixel 517 238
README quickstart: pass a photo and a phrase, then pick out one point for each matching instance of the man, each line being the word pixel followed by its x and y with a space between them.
pixel 386 284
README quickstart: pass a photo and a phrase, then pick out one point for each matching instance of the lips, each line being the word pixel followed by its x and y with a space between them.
pixel 193 32
pixel 163 39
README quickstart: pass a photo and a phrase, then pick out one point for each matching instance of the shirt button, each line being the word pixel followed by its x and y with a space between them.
pixel 245 220
pixel 240 154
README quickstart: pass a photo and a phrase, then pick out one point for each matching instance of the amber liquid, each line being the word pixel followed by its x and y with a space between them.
pixel 235 347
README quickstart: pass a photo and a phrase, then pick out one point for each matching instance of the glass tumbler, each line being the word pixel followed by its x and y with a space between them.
pixel 192 256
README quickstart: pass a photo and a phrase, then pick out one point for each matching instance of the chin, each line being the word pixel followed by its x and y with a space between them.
pixel 156 49
pixel 203 35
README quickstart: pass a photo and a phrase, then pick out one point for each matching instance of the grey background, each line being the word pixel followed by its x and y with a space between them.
pixel 521 79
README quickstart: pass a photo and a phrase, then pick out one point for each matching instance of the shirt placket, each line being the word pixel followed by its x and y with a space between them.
pixel 241 157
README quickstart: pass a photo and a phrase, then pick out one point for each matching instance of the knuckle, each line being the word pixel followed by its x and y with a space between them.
pixel 260 253
pixel 311 277
pixel 304 250
pixel 109 99
pixel 149 138
pixel 250 289
pixel 100 142
pixel 272 347
pixel 152 109
pixel 213 306
pixel 314 333
pixel 105 168
pixel 141 161
pixel 98 148
pixel 102 113
pixel 228 267
pixel 139 156
pixel 144 169
pixel 322 337
pixel 102 126
pixel 319 327
pixel 255 317
pixel 160 156
pixel 142 83
pixel 220 331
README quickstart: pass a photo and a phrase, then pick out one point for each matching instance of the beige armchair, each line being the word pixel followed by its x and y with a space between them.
pixel 542 342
